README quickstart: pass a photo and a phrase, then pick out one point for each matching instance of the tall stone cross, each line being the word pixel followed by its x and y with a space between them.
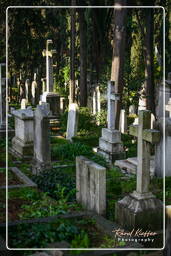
pixel 2 100
pixel 168 107
pixel 48 52
pixel 112 99
pixel 146 136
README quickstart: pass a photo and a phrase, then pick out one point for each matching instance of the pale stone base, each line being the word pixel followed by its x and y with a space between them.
pixel 38 167
pixel 21 149
pixel 110 145
pixel 111 157
pixel 145 212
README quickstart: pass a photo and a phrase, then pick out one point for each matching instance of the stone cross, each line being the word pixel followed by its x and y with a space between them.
pixel 48 52
pixel 112 99
pixel 168 107
pixel 146 136
pixel 2 100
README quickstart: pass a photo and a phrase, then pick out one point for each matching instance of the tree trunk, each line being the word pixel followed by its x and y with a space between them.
pixel 72 60
pixel 83 58
pixel 149 69
pixel 118 53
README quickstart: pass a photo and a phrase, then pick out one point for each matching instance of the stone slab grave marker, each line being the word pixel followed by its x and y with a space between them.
pixel 24 103
pixel 96 100
pixel 33 90
pixel 49 95
pixel 123 121
pixel 72 122
pixel 91 185
pixel 141 209
pixel 2 101
pixel 110 145
pixel 42 152
pixel 22 143
pixel 28 90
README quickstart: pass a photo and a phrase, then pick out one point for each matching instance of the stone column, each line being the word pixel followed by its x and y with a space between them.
pixel 42 152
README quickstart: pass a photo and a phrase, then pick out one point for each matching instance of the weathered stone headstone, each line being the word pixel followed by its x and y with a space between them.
pixel 28 90
pixel 132 109
pixel 2 102
pixel 141 209
pixel 22 143
pixel 63 104
pixel 23 103
pixel 43 80
pixel 123 121
pixel 72 123
pixel 91 185
pixel 33 90
pixel 49 95
pixel 96 100
pixel 110 145
pixel 42 153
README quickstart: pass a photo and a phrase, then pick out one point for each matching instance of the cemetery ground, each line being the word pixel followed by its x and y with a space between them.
pixel 42 209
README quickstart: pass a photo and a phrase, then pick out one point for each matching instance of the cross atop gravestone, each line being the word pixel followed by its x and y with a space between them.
pixel 168 107
pixel 112 99
pixel 146 136
pixel 48 52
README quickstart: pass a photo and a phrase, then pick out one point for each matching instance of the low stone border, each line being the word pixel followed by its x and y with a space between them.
pixel 27 181
pixel 102 224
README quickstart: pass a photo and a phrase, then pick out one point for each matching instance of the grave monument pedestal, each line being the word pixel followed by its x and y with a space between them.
pixel 110 144
pixel 22 143
pixel 141 209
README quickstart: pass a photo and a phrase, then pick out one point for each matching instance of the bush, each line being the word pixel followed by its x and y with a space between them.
pixel 53 180
pixel 70 151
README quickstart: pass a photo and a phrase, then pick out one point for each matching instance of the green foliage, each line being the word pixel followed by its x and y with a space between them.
pixel 38 235
pixel 89 140
pixel 57 182
pixel 101 118
pixel 70 151
pixel 80 241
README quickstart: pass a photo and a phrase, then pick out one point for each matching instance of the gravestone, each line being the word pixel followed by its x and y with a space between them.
pixel 123 121
pixel 96 100
pixel 2 102
pixel 42 151
pixel 33 90
pixel 28 90
pixel 23 103
pixel 49 95
pixel 43 80
pixel 63 104
pixel 142 100
pixel 22 143
pixel 91 185
pixel 72 122
pixel 159 156
pixel 141 209
pixel 132 110
pixel 110 145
